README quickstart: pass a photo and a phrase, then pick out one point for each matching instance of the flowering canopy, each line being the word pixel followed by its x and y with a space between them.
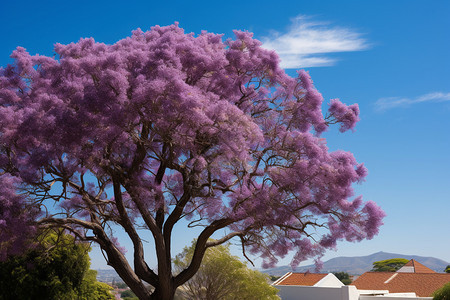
pixel 164 125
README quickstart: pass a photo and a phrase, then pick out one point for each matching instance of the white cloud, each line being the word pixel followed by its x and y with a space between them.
pixel 383 104
pixel 307 43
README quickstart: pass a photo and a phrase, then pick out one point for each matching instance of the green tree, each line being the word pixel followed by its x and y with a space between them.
pixel 344 277
pixel 447 269
pixel 128 295
pixel 389 265
pixel 274 278
pixel 443 293
pixel 91 289
pixel 223 276
pixel 55 269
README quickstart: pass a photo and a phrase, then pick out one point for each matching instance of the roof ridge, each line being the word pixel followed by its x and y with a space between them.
pixel 415 264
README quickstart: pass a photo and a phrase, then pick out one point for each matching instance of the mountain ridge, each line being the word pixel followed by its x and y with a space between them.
pixel 357 265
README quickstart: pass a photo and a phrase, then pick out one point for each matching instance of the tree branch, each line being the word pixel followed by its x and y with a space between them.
pixel 224 239
pixel 140 266
pixel 199 250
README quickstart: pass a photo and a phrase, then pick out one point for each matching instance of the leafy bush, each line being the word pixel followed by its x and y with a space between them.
pixel 344 277
pixel 58 268
pixel 443 293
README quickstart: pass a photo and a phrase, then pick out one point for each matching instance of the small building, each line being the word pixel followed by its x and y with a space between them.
pixel 413 281
pixel 413 277
pixel 309 279
pixel 313 286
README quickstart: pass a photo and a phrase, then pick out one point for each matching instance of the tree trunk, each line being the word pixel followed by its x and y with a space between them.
pixel 159 294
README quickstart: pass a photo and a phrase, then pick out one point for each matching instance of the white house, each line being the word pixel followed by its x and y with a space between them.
pixel 313 286
pixel 309 279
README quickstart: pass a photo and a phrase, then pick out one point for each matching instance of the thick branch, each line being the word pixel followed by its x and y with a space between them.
pixel 175 215
pixel 75 221
pixel 224 239
pixel 148 218
pixel 140 148
pixel 199 250
pixel 164 264
pixel 141 267
pixel 118 261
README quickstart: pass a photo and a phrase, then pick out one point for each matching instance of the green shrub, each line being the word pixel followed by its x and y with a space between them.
pixel 443 293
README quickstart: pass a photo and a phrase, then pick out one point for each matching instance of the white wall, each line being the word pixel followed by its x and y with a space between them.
pixel 290 292
pixel 349 292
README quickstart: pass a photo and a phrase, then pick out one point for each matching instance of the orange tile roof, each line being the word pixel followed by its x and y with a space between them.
pixel 305 279
pixel 423 284
pixel 418 267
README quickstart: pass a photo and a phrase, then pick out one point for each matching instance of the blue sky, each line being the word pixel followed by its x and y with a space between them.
pixel 390 57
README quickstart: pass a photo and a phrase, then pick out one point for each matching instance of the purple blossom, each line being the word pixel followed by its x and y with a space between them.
pixel 17 227
pixel 347 116
pixel 164 125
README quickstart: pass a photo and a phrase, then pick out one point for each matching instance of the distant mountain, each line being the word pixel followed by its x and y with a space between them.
pixel 359 264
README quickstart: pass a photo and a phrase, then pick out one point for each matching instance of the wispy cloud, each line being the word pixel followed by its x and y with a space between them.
pixel 383 104
pixel 307 42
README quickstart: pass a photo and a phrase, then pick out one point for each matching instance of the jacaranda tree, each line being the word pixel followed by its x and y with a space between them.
pixel 164 126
